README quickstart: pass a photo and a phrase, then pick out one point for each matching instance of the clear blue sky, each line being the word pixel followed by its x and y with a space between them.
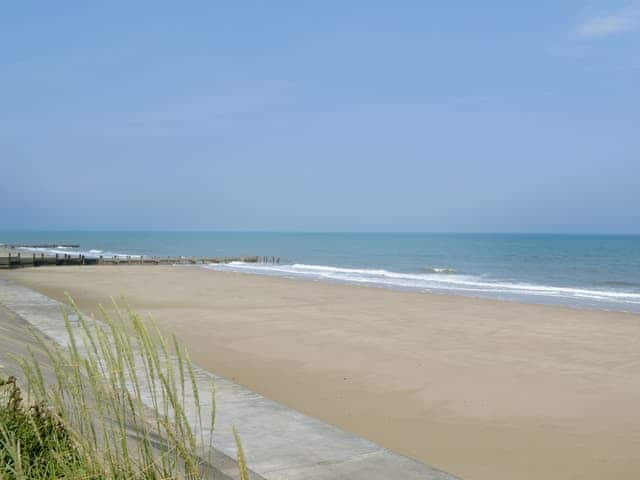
pixel 319 115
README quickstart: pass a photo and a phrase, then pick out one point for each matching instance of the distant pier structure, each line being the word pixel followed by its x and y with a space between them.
pixel 12 256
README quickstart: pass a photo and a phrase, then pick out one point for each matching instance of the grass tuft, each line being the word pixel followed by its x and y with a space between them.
pixel 34 443
pixel 114 407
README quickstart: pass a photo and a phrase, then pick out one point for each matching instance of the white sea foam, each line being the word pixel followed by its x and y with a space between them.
pixel 93 253
pixel 439 270
pixel 443 281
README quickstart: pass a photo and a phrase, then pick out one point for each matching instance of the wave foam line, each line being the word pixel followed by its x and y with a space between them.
pixel 93 253
pixel 437 282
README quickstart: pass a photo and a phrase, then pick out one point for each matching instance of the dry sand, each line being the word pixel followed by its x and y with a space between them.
pixel 484 389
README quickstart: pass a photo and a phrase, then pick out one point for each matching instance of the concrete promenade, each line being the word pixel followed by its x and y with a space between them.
pixel 280 443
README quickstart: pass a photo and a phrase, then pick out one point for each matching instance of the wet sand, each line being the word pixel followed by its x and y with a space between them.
pixel 481 388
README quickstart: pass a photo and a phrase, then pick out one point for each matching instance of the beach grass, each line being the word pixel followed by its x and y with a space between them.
pixel 111 405
pixel 33 441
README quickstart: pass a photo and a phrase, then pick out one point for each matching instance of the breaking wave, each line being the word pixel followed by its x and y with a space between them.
pixel 439 270
pixel 441 280
pixel 93 253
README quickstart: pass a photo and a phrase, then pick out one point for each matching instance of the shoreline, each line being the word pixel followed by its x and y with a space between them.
pixel 580 292
pixel 482 388
pixel 419 291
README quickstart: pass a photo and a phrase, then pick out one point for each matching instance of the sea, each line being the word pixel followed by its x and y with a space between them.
pixel 581 271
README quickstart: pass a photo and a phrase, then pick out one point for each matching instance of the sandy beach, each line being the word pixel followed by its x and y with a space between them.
pixel 484 389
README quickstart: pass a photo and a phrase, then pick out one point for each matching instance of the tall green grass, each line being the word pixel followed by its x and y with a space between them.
pixel 33 442
pixel 116 395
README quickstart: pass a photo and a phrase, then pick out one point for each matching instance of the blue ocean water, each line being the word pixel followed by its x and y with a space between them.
pixel 584 271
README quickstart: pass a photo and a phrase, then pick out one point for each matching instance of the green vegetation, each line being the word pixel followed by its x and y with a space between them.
pixel 33 442
pixel 86 418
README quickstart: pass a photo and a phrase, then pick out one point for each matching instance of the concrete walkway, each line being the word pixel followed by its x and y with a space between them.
pixel 280 443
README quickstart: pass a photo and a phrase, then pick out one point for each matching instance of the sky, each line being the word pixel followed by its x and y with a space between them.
pixel 490 116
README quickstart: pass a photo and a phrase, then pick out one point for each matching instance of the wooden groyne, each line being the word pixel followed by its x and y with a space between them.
pixel 21 259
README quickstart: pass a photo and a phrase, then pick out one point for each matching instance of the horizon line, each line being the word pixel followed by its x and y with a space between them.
pixel 398 232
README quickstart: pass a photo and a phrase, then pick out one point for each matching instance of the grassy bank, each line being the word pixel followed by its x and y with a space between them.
pixel 109 406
